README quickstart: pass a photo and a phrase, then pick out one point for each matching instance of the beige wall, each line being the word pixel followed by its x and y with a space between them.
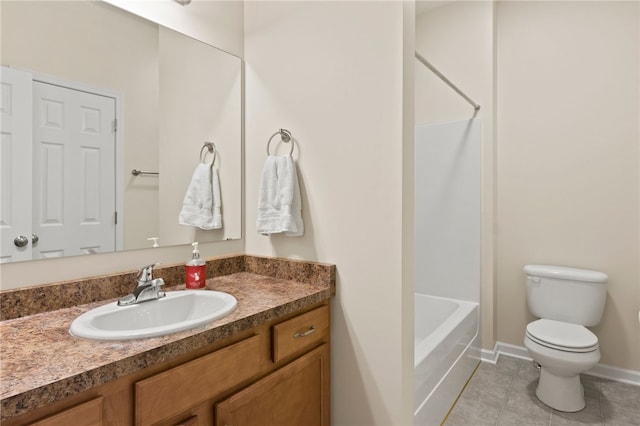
pixel 457 38
pixel 568 158
pixel 407 314
pixel 331 73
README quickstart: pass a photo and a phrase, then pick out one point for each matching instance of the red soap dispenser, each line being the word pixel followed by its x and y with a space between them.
pixel 196 269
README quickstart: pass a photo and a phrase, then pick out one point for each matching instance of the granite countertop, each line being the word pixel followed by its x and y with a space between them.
pixel 40 362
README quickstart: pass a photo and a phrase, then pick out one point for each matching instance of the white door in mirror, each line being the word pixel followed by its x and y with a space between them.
pixel 15 164
pixel 178 311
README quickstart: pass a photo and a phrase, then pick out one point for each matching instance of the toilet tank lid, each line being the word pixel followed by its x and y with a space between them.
pixel 565 273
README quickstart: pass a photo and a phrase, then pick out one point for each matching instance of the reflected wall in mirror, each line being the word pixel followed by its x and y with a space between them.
pixel 102 92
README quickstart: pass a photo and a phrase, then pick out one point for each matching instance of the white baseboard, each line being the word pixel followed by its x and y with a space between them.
pixel 617 374
pixel 623 375
pixel 490 356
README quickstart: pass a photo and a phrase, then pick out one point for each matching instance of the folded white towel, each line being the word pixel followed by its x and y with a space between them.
pixel 279 204
pixel 201 205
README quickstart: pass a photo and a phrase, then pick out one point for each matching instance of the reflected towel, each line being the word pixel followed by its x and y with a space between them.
pixel 279 204
pixel 201 205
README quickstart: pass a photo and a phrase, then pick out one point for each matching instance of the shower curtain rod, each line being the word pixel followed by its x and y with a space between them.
pixel 446 80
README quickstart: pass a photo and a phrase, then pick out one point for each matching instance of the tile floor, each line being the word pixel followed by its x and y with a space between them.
pixel 504 394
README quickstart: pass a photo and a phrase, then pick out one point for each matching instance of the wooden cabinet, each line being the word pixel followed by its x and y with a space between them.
pixel 297 394
pixel 274 374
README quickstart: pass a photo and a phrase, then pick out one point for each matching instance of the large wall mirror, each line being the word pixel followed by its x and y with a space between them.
pixel 91 92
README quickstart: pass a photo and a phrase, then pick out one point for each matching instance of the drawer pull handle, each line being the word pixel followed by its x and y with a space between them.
pixel 306 333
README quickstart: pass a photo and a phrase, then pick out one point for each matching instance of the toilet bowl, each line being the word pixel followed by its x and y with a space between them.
pixel 564 351
pixel 567 300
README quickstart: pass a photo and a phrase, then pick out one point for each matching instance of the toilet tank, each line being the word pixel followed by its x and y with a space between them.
pixel 566 294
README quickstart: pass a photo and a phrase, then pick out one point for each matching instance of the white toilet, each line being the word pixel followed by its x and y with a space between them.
pixel 567 300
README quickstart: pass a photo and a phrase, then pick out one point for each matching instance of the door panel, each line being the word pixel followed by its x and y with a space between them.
pixel 15 163
pixel 74 172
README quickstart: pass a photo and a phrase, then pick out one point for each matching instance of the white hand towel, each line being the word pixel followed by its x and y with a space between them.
pixel 201 205
pixel 279 204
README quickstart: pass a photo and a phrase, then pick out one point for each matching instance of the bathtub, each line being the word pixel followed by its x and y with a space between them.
pixel 446 353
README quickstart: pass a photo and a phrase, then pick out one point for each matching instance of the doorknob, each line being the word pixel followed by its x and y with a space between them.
pixel 21 241
pixel 34 238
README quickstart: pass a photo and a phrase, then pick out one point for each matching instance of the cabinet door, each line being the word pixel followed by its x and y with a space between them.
pixel 86 414
pixel 297 394
pixel 181 388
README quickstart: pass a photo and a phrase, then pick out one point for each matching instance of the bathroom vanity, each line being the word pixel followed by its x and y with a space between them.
pixel 265 363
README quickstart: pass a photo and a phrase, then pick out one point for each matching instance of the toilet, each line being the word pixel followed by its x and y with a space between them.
pixel 567 300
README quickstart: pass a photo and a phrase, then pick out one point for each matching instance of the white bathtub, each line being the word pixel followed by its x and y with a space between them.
pixel 446 353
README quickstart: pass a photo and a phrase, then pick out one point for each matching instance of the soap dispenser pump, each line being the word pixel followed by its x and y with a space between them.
pixel 196 269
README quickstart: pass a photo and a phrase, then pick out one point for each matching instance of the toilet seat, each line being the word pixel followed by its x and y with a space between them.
pixel 562 336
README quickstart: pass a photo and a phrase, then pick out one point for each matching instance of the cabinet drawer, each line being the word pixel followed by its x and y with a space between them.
pixel 85 414
pixel 178 389
pixel 299 333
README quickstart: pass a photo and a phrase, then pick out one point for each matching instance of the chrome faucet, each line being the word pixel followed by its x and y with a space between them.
pixel 146 289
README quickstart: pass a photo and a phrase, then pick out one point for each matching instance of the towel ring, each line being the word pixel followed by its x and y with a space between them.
pixel 211 148
pixel 285 136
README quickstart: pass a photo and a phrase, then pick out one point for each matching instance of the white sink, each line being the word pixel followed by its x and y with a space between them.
pixel 177 311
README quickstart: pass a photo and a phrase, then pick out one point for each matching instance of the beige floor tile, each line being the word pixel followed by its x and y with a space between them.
pixel 504 394
pixel 522 401
pixel 512 418
pixel 473 412
pixel 617 414
pixel 507 365
pixel 528 371
pixel 489 385
pixel 590 415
